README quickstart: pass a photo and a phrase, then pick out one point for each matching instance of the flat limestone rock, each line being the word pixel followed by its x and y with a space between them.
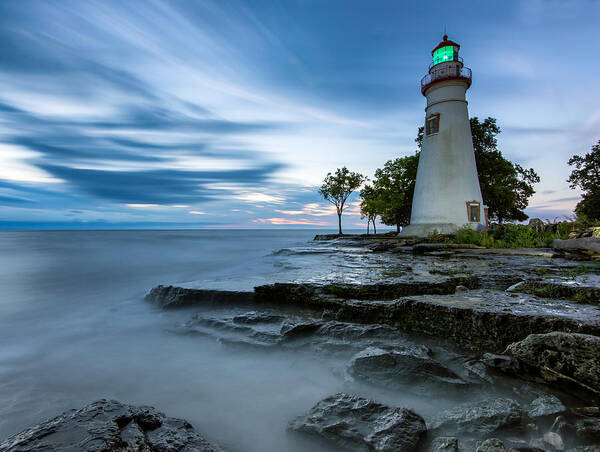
pixel 579 293
pixel 361 424
pixel 395 368
pixel 587 245
pixel 169 297
pixel 562 357
pixel 107 425
pixel 480 418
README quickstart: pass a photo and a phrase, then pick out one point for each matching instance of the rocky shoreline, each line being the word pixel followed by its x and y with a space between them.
pixel 512 335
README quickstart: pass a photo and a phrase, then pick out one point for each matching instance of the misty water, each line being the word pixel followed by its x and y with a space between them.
pixel 74 328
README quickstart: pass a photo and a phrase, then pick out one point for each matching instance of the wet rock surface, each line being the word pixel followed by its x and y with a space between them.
pixel 429 323
pixel 361 424
pixel 561 358
pixel 108 425
pixel 561 290
pixel 480 418
pixel 401 366
pixel 444 444
pixel 168 297
pixel 546 405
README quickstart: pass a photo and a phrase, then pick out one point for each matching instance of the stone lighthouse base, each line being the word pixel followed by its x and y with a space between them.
pixel 426 229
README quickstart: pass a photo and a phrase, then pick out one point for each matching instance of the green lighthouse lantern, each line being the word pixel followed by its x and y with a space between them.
pixel 446 51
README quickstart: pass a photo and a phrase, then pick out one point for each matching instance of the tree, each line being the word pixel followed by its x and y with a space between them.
pixel 371 206
pixel 505 186
pixel 395 185
pixel 338 187
pixel 586 176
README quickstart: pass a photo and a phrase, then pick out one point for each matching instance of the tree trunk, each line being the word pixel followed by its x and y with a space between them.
pixel 374 227
pixel 397 228
pixel 368 224
pixel 340 223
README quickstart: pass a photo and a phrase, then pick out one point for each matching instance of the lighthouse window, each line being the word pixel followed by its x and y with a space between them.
pixel 474 211
pixel 432 124
pixel 444 54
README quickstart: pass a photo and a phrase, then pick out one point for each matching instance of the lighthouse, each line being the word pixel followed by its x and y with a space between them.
pixel 447 194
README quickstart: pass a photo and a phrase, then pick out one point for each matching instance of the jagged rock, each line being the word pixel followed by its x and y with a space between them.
pixel 361 424
pixel 444 444
pixel 109 425
pixel 483 417
pixel 168 297
pixel 588 429
pixel 593 448
pixel 290 330
pixel 502 363
pixel 565 358
pixel 546 405
pixel 491 445
pixel 399 366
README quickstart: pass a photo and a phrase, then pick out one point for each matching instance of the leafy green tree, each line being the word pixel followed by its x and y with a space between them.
pixel 505 186
pixel 338 187
pixel 586 176
pixel 395 184
pixel 371 205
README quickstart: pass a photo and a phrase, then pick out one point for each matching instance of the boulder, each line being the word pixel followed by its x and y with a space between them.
pixel 394 368
pixel 546 405
pixel 444 444
pixel 562 358
pixel 491 445
pixel 583 246
pixel 109 425
pixel 480 418
pixel 361 424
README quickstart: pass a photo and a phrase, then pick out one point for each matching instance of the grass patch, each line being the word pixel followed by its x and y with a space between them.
pixel 505 236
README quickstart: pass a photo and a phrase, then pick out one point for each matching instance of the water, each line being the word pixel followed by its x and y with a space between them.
pixel 74 328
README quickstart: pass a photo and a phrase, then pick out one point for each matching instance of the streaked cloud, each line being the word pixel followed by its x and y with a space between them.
pixel 143 112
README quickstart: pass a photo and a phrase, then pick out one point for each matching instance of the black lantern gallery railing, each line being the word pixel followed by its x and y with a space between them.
pixel 446 72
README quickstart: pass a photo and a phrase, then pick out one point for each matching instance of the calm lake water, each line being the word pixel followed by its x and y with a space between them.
pixel 74 328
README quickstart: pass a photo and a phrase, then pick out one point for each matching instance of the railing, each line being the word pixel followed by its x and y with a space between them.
pixel 459 59
pixel 446 72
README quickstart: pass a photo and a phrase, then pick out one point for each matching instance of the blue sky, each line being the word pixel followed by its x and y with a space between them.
pixel 230 113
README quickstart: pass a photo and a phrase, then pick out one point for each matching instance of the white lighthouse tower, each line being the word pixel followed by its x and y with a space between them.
pixel 447 193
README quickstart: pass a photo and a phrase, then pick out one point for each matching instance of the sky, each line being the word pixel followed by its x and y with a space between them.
pixel 228 114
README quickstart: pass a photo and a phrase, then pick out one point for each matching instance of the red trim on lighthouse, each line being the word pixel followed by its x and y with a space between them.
pixel 445 42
